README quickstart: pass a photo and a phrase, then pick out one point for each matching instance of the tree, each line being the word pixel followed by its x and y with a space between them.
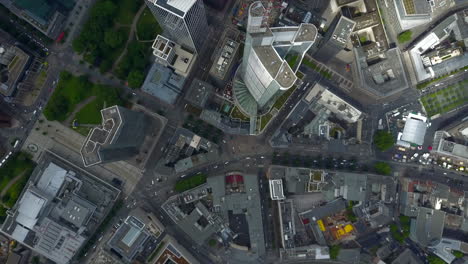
pixel 212 242
pixel 382 168
pixel 405 36
pixel 113 38
pixel 435 260
pixel 334 251
pixel 383 140
pixel 35 260
pixel 135 79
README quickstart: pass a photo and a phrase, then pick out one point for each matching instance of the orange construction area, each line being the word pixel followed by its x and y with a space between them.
pixel 241 11
pixel 340 231
pixel 333 230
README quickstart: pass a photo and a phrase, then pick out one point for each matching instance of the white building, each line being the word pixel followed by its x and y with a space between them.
pixel 276 189
pixel 414 131
pixel 172 55
pixel 265 71
pixel 183 21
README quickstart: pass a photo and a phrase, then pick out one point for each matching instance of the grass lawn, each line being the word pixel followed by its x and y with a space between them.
pixel 404 36
pixel 83 130
pixel 362 39
pixel 315 67
pixel 264 120
pixel 447 99
pixel 282 99
pixel 16 165
pixel 236 113
pixel 292 60
pixel 126 11
pixel 90 113
pixel 71 90
pixel 13 193
pixel 3 214
pixel 19 164
pixel 147 26
pixel 190 183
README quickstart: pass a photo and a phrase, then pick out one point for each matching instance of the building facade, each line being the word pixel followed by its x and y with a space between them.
pixel 336 38
pixel 270 61
pixel 118 138
pixel 183 21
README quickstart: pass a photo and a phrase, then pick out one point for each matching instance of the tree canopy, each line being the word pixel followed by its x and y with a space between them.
pixel 383 140
pixel 98 39
pixel 382 168
pixel 135 79
pixel 113 38
pixel 405 36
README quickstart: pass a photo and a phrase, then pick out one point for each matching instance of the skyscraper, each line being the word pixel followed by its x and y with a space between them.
pixel 271 59
pixel 336 38
pixel 183 21
pixel 118 138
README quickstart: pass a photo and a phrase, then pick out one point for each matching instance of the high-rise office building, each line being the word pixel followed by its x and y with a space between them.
pixel 335 39
pixel 270 61
pixel 118 138
pixel 183 21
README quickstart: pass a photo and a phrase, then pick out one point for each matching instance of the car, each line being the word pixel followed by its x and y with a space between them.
pixel 226 163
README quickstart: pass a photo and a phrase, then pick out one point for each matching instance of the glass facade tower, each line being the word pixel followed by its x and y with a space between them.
pixel 183 21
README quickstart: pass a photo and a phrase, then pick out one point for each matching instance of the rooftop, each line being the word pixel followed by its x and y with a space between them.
pixel 129 238
pixel 407 257
pixel 428 226
pixel 276 66
pixel 199 92
pixel 162 83
pixel 225 58
pixel 450 148
pixel 162 47
pixel 342 31
pixel 56 211
pixel 415 129
pixel 13 62
pixel 173 55
pixel 306 32
pixel 381 75
pixel 276 189
pixel 334 103
pixel 173 253
pixel 415 7
pixel 177 7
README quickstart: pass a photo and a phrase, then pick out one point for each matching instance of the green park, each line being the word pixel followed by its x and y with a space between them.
pixel 446 99
pixel 14 175
pixel 117 38
pixel 76 98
